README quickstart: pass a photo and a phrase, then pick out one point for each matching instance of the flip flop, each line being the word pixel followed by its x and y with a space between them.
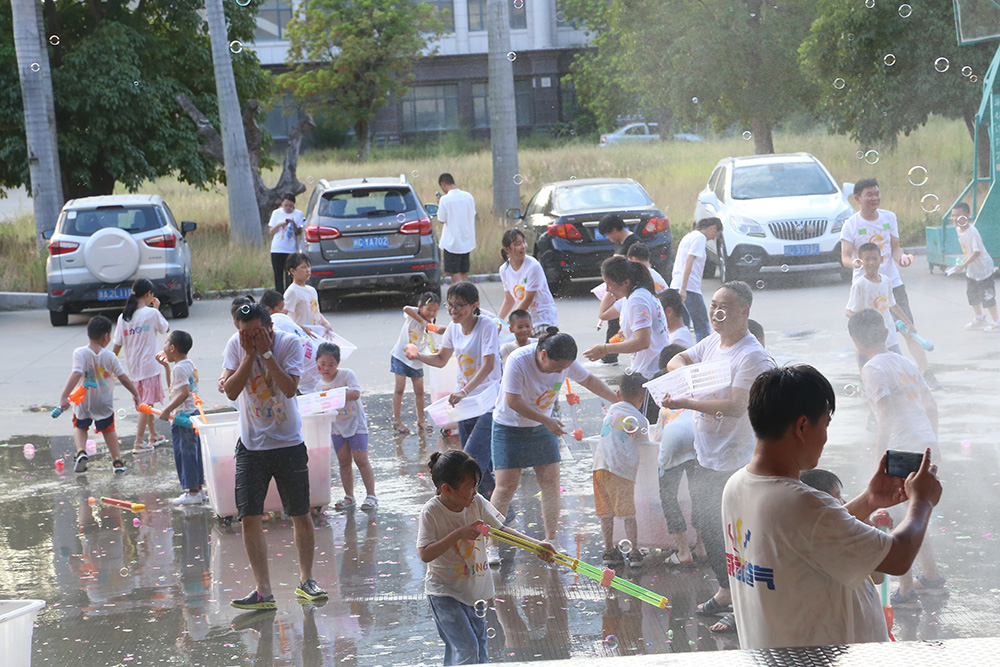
pixel 728 623
pixel 399 428
pixel 675 561
pixel 713 608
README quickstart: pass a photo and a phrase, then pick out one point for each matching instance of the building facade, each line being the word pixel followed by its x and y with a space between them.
pixel 450 88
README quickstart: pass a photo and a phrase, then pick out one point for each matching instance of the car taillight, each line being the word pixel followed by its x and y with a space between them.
pixel 162 241
pixel 654 225
pixel 62 247
pixel 565 230
pixel 421 226
pixel 317 233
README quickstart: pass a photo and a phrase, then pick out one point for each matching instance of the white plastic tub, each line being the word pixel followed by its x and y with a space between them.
pixel 321 401
pixel 347 348
pixel 442 413
pixel 691 380
pixel 17 624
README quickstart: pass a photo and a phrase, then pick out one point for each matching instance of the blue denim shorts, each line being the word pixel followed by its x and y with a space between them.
pixel 524 446
pixel 399 368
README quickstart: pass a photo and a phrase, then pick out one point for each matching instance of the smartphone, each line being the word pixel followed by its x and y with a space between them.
pixel 901 464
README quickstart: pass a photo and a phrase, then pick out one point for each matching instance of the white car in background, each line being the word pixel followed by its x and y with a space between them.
pixel 780 214
pixel 641 133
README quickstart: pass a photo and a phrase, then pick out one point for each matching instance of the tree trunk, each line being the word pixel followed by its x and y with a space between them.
pixel 503 119
pixel 983 156
pixel 39 115
pixel 763 141
pixel 243 215
pixel 362 131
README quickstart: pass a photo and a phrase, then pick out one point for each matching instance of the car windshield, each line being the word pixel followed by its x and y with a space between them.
pixel 132 219
pixel 367 202
pixel 598 196
pixel 789 179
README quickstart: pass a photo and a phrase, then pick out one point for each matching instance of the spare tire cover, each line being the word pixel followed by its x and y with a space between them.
pixel 111 255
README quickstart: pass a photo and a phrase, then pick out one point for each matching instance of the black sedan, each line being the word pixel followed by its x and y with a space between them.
pixel 564 217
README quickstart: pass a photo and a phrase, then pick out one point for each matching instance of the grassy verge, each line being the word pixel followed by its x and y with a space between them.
pixel 673 173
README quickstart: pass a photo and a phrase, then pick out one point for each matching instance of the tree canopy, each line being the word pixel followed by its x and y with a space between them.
pixel 117 69
pixel 349 57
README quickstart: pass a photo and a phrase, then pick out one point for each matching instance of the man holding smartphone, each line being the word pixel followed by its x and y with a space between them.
pixel 795 554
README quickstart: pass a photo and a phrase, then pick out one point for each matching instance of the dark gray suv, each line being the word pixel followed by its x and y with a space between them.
pixel 370 235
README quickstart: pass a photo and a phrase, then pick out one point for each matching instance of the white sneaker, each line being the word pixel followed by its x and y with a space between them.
pixel 992 327
pixel 976 323
pixel 493 556
pixel 190 498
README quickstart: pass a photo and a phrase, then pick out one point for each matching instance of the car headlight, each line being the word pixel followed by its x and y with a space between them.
pixel 838 222
pixel 746 226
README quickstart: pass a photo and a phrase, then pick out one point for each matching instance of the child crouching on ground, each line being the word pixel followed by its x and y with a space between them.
pixel 458 583
pixel 349 431
pixel 616 462
pixel 187 444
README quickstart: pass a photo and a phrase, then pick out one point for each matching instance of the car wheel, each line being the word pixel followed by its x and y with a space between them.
pixel 58 319
pixel 180 309
pixel 710 268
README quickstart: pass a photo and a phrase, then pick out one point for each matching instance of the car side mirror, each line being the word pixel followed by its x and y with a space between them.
pixel 432 209
pixel 188 226
pixel 513 214
pixel 848 190
pixel 47 234
pixel 708 199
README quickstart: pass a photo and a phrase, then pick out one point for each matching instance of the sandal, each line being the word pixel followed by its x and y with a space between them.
pixel 727 623
pixel 399 428
pixel 370 503
pixel 713 608
pixel 345 504
pixel 674 560
pixel 428 428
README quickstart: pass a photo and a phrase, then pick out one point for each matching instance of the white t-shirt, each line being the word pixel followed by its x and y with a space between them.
pixel 509 347
pixel 351 418
pixel 285 240
pixel 658 282
pixel 676 438
pixel 138 338
pixel 470 350
pixel 531 278
pixel 897 379
pixel 457 209
pixel 412 333
pixel 184 374
pixel 618 447
pixel 693 243
pixel 680 336
pixel 795 557
pixel 971 241
pixel 859 231
pixel 642 310
pixel 521 376
pixel 268 419
pixel 310 371
pixel 302 303
pixel 876 296
pixel 101 367
pixel 461 572
pixel 723 442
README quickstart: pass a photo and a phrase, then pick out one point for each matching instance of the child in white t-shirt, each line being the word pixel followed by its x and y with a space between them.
pixel 187 444
pixel 275 304
pixel 458 583
pixel 520 325
pixel 302 300
pixel 673 309
pixel 872 290
pixel 639 252
pixel 95 368
pixel 349 431
pixel 980 287
pixel 414 332
pixel 136 332
pixel 616 462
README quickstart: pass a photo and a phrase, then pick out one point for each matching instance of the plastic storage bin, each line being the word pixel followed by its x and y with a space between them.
pixel 322 401
pixel 347 348
pixel 442 413
pixel 17 624
pixel 691 380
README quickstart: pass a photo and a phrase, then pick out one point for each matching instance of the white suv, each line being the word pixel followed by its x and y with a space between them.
pixel 780 214
pixel 101 245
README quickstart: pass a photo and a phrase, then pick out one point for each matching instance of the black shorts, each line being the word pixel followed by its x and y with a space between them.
pixel 255 469
pixel 981 292
pixel 899 294
pixel 100 426
pixel 456 263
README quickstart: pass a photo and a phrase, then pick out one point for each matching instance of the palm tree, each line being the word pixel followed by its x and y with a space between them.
pixel 503 119
pixel 244 220
pixel 39 114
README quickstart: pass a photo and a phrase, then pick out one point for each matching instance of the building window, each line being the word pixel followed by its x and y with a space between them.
pixel 445 11
pixel 477 16
pixel 523 108
pixel 430 108
pixel 272 18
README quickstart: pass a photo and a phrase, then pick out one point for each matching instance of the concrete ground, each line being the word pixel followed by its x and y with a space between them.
pixel 156 591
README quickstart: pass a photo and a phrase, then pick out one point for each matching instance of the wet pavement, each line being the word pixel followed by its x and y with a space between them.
pixel 154 587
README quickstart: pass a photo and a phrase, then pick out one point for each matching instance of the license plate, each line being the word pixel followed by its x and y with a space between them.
pixel 598 236
pixel 114 294
pixel 799 250
pixel 366 242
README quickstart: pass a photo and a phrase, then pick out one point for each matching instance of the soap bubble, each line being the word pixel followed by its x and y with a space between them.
pixel 625 546
pixel 695 100
pixel 861 155
pixel 123 571
pixel 518 4
pixel 121 413
pixel 871 156
pixel 35 67
pixel 137 522
pixel 236 46
pixel 966 71
pixel 850 389
pixel 611 642
pixel 136 83
pixel 560 17
pixel 850 36
pixel 784 268
pixel 719 315
pixel 747 135
pixel 889 60
pixel 869 3
pixel 401 217
pixel 905 11
pixel 54 40
pixel 917 175
pixel 245 309
pixel 629 371
pixel 415 173
pixel 929 203
pixel 748 258
pixel 839 83
pixel 973 78
pixel 512 56
pixel 91 448
pixel 29 451
pixel 942 64
pixel 480 608
pixel 242 3
pixel 760 284
pixel 518 179
pixel 719 416
pixel 630 425
pixel 491 633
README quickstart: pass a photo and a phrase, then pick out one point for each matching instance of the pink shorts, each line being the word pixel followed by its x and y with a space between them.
pixel 150 390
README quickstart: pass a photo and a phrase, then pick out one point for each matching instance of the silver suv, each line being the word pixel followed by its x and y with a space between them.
pixel 371 235
pixel 101 245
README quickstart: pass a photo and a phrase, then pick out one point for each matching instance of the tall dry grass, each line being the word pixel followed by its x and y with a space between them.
pixel 673 173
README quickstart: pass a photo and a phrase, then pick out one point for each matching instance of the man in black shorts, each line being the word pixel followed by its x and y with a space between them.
pixel 457 212
pixel 262 369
